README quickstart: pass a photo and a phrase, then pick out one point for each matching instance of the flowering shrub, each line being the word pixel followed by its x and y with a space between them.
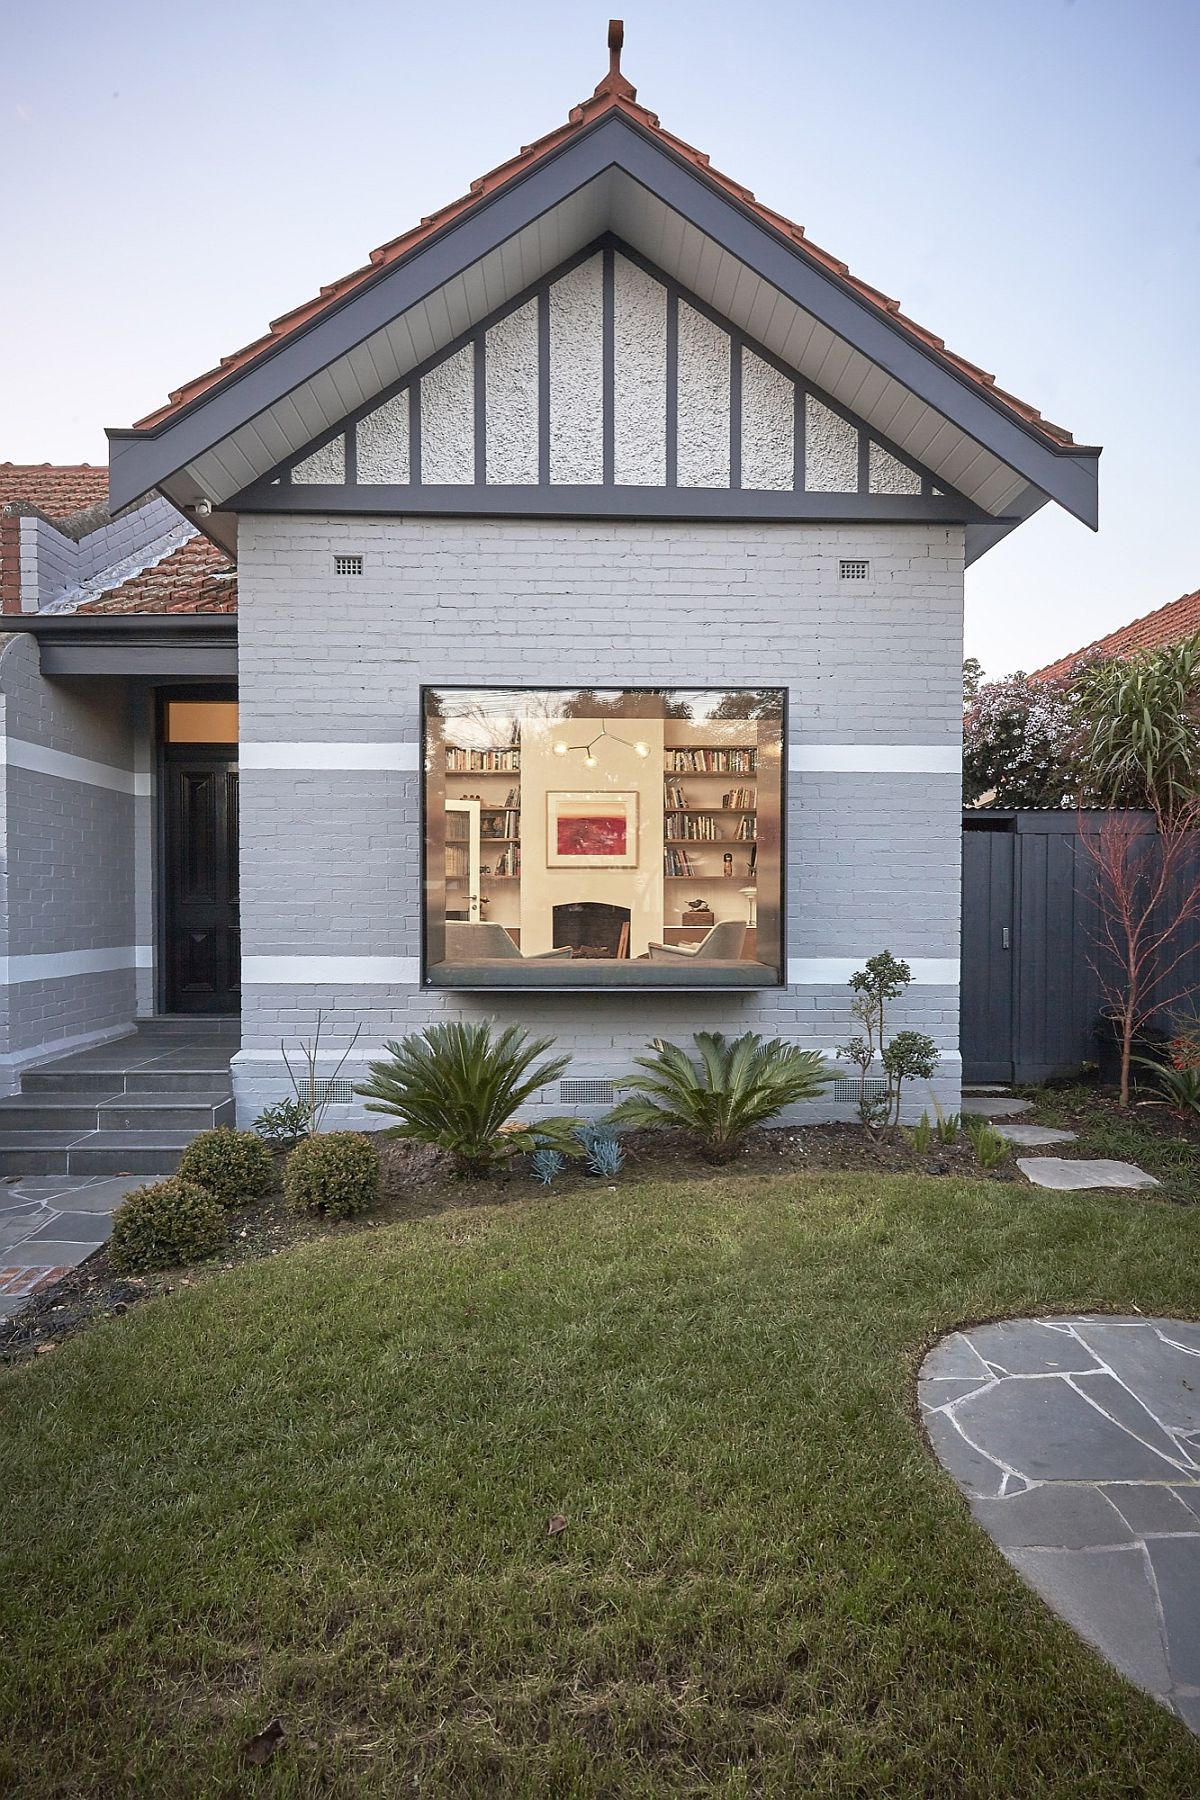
pixel 1018 744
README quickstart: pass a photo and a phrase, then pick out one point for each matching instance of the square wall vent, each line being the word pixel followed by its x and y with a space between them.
pixel 347 565
pixel 854 568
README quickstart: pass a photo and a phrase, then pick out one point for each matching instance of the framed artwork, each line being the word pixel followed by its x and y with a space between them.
pixel 591 831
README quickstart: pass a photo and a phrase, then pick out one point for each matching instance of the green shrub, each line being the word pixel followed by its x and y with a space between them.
pixel 232 1165
pixel 458 1087
pixel 284 1123
pixel 173 1221
pixel 738 1082
pixel 333 1172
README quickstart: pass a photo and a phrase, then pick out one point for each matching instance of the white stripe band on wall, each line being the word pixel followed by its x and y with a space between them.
pixel 349 971
pixel 57 965
pixel 835 971
pixel 41 760
pixel 875 759
pixel 357 971
pixel 328 756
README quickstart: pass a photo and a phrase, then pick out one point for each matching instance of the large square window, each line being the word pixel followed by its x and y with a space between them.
pixel 603 838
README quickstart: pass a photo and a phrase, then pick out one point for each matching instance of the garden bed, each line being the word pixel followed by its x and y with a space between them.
pixel 418 1182
pixel 1148 1133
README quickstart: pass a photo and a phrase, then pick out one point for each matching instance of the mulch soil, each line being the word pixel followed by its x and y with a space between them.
pixel 419 1181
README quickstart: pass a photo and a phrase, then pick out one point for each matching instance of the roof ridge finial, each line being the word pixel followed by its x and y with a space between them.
pixel 614 82
pixel 616 37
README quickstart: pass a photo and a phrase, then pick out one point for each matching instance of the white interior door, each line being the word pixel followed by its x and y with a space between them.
pixel 462 860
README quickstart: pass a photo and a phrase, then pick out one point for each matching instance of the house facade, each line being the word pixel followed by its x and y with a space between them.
pixel 596 661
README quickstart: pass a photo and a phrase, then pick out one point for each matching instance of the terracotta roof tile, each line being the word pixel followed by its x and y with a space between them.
pixel 613 94
pixel 1168 625
pixel 197 578
pixel 60 490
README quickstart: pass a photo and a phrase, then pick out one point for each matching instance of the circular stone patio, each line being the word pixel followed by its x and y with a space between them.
pixel 1077 1443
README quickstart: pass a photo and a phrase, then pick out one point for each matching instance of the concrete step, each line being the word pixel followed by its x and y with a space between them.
pixel 92 1152
pixel 218 1025
pixel 107 1083
pixel 137 1111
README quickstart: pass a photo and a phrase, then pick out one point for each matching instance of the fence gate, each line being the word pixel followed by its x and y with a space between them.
pixel 988 962
pixel 1030 995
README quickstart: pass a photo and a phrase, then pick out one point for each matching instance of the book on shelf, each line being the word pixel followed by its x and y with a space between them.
pixel 677 862
pixel 746 829
pixel 704 760
pixel 674 797
pixel 694 828
pixel 740 799
pixel 481 762
pixel 509 862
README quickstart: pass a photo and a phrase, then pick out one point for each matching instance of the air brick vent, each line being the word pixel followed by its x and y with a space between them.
pixel 847 1090
pixel 854 568
pixel 347 565
pixel 327 1092
pixel 586 1093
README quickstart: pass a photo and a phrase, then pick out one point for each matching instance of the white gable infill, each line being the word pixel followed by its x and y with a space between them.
pixel 607 388
pixel 613 176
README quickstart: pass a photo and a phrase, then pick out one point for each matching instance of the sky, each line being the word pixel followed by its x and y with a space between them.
pixel 1023 175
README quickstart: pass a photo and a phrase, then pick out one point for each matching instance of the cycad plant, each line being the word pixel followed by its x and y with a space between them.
pixel 734 1084
pixel 458 1086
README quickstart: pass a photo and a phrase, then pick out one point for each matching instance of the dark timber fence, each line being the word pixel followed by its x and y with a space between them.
pixel 1030 994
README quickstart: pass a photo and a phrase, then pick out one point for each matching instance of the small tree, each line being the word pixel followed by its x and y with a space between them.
pixel 907 1055
pixel 1148 908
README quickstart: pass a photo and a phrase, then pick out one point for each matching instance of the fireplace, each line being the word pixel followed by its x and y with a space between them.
pixel 593 929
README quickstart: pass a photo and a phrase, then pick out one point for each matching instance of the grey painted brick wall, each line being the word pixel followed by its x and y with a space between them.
pixel 329 862
pixel 69 860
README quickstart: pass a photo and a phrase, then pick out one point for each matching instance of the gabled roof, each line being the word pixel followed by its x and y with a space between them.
pixel 613 94
pixel 1169 624
pixel 611 166
pixel 196 578
pixel 57 490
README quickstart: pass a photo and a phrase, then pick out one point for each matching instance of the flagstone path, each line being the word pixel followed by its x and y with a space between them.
pixel 1077 1443
pixel 49 1224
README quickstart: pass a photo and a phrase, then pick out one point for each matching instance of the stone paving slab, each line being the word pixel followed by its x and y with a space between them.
pixel 1000 1106
pixel 49 1225
pixel 1075 1444
pixel 1035 1137
pixel 1070 1176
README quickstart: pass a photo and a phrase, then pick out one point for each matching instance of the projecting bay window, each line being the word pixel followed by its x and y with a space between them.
pixel 603 838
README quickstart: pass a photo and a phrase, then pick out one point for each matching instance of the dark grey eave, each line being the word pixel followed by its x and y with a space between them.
pixel 175 646
pixel 141 460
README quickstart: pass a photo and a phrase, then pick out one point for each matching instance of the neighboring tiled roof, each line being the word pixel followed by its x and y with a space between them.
pixel 614 94
pixel 1168 625
pixel 57 489
pixel 197 578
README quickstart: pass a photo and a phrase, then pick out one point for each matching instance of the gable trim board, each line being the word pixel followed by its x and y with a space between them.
pixel 506 436
pixel 612 169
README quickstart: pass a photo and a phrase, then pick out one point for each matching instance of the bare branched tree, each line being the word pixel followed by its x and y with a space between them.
pixel 1148 914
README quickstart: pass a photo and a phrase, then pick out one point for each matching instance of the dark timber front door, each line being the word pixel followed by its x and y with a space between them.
pixel 203 960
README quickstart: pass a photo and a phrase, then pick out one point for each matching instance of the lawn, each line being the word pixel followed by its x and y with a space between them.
pixel 319 1488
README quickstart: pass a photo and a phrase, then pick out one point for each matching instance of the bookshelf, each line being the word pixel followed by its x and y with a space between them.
pixel 491 777
pixel 703 824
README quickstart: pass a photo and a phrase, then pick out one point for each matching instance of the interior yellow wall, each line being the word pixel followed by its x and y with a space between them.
pixel 619 769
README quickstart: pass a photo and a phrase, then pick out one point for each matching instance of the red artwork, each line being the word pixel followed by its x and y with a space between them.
pixel 591 834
